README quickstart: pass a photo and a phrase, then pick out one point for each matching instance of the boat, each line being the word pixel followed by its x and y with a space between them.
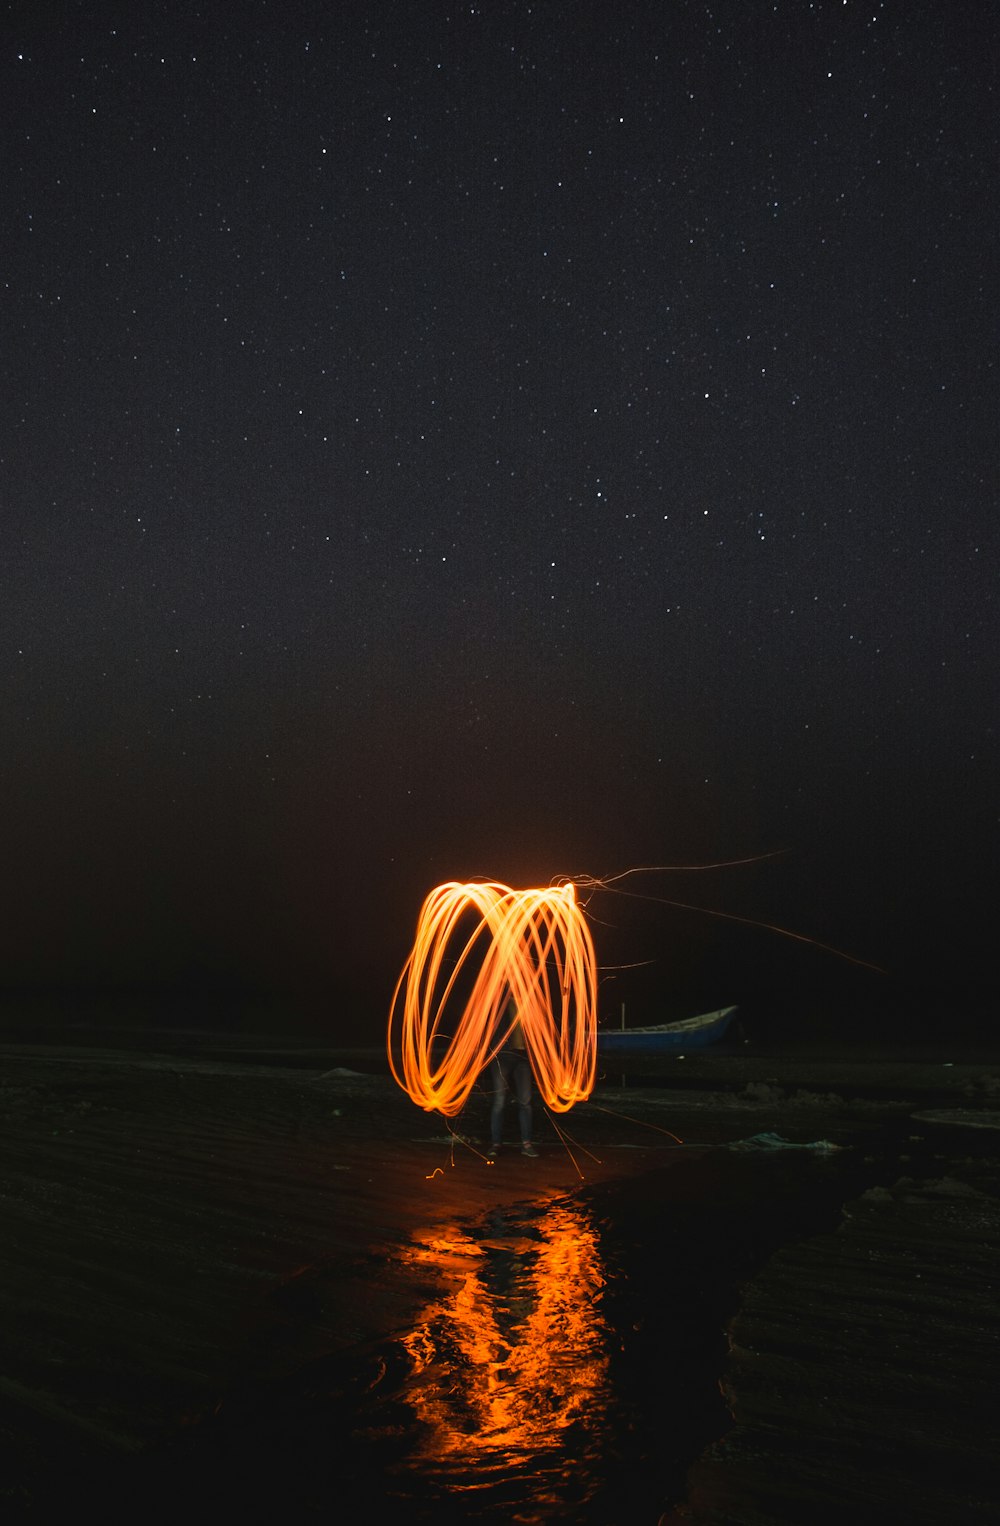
pixel 667 1038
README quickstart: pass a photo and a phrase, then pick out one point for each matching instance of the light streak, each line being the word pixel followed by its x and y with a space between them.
pixel 566 1139
pixel 643 1123
pixel 534 946
pixel 609 884
pixel 495 943
pixel 590 881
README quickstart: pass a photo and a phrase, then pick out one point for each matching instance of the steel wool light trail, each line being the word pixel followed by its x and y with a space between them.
pixel 476 946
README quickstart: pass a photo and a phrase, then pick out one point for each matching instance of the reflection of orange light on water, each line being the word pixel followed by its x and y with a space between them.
pixel 513 1354
pixel 532 945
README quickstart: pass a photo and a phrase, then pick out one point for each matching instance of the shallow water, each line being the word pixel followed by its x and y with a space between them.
pixel 533 1349
pixel 509 1379
pixel 563 1364
pixel 512 1396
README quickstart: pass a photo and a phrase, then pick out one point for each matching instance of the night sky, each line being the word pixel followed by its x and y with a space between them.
pixel 507 440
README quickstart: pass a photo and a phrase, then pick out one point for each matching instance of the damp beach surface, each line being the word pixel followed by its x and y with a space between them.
pixel 252 1277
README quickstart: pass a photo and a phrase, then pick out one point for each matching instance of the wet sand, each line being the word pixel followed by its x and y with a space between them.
pixel 194 1233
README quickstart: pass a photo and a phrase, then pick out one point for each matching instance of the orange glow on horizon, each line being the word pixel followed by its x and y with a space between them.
pixel 533 945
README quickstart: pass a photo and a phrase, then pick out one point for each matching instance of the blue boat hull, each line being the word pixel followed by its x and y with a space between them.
pixel 667 1038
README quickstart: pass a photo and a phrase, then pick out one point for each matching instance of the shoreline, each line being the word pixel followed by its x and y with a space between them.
pixel 182 1230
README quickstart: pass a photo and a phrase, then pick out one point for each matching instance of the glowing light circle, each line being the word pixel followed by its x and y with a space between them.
pixel 476 945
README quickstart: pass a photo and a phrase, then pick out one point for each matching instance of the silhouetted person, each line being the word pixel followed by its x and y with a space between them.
pixel 511 1070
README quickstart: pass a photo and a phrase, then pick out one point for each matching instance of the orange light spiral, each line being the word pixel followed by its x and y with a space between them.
pixel 532 945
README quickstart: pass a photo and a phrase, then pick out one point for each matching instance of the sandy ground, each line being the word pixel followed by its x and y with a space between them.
pixel 186 1225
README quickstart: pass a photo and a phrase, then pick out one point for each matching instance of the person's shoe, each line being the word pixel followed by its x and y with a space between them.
pixel 528 1149
pixel 492 1152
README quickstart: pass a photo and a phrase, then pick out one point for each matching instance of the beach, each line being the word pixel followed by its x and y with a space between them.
pixel 247 1274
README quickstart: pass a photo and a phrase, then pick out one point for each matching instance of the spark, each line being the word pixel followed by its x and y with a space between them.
pixel 566 1139
pixel 530 945
pixel 609 884
pixel 590 881
pixel 641 1122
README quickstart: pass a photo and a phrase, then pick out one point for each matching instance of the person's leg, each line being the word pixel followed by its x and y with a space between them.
pixel 522 1087
pixel 499 1098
